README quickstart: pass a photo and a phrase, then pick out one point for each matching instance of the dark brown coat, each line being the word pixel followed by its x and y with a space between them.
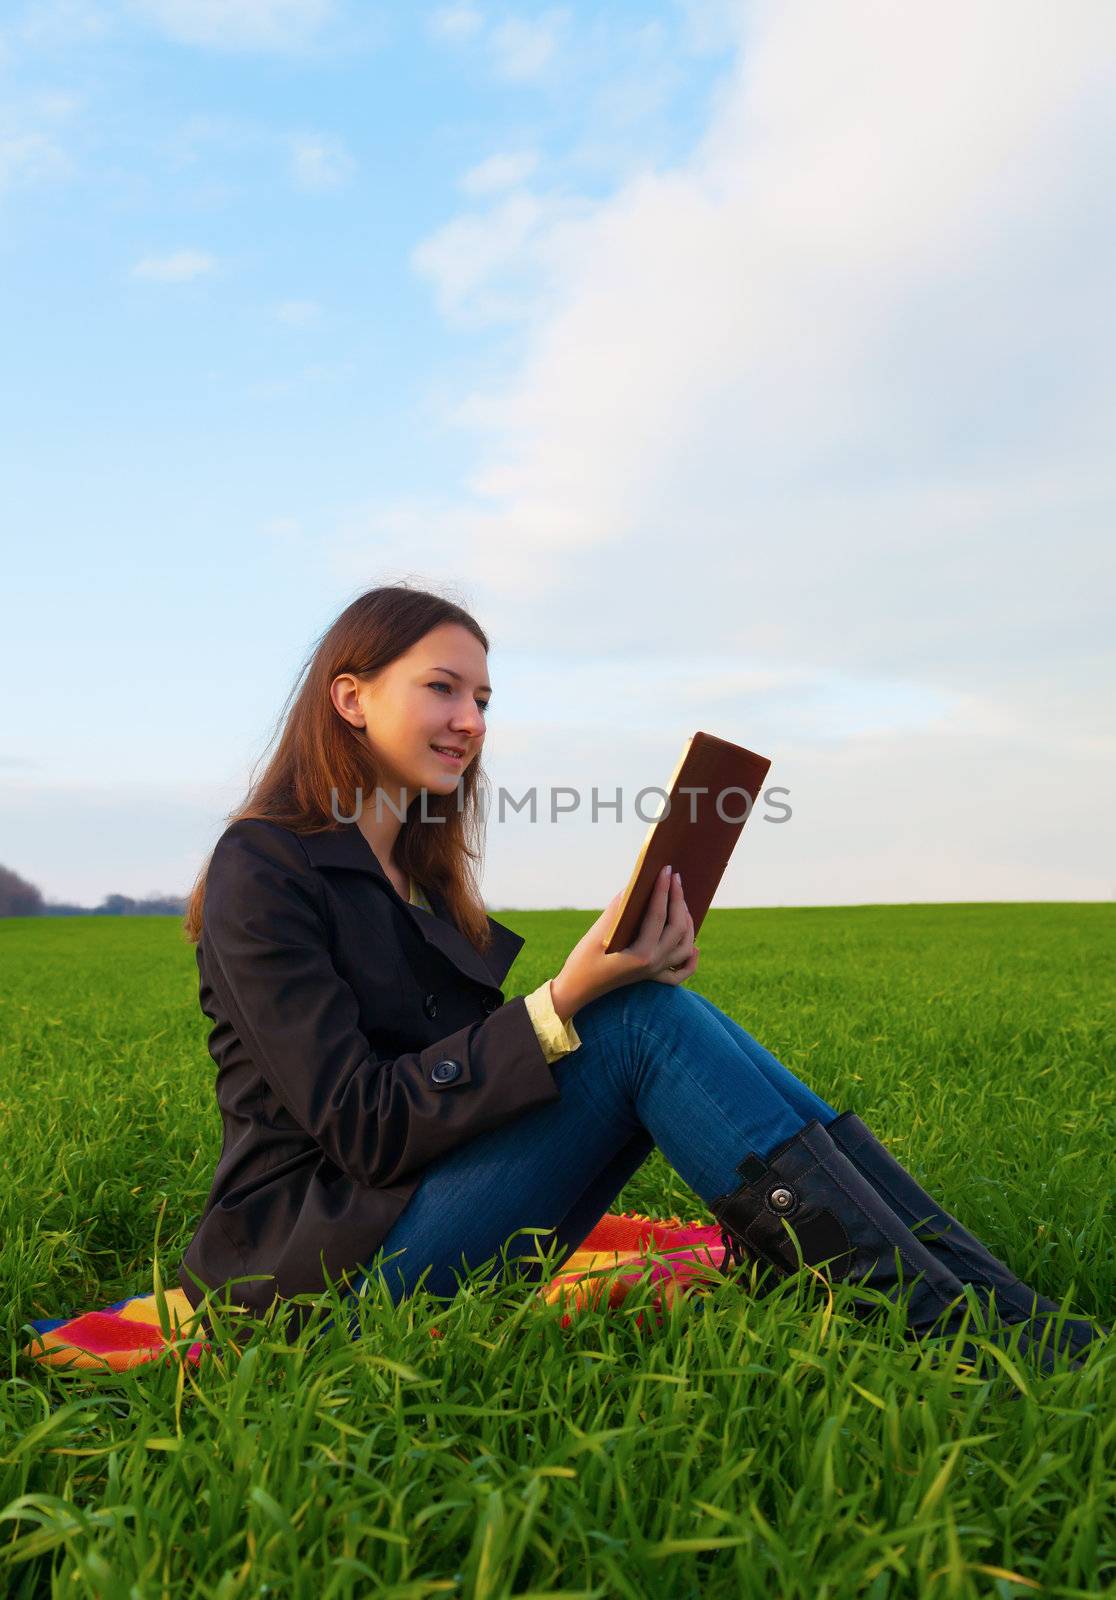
pixel 357 1038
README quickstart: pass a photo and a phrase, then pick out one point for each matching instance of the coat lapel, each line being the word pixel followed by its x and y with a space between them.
pixel 346 847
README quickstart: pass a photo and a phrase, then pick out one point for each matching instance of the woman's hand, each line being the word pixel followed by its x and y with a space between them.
pixel 664 950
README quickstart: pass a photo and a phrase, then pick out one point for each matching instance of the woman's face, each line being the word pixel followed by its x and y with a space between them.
pixel 435 694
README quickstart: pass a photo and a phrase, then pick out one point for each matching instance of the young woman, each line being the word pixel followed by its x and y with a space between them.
pixel 381 1099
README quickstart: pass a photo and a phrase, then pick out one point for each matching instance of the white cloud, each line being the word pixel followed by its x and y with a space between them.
pixel 768 310
pixel 522 47
pixel 181 266
pixel 833 395
pixel 224 145
pixel 455 22
pixel 493 266
pixel 28 159
pixel 33 135
pixel 298 313
pixel 57 105
pixel 505 170
pixel 320 162
pixel 64 22
pixel 227 135
pixel 711 25
pixel 237 24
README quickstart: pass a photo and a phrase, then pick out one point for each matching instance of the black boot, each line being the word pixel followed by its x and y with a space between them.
pixel 951 1244
pixel 840 1220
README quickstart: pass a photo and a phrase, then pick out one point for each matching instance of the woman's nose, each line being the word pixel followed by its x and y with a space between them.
pixel 470 723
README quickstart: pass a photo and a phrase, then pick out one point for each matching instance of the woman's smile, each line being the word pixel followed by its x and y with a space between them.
pixel 452 758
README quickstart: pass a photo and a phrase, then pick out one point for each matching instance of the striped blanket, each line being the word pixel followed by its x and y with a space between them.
pixel 605 1267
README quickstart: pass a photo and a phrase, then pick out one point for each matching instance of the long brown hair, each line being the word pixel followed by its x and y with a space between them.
pixel 319 752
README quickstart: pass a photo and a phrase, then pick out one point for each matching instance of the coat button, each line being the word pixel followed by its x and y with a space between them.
pixel 430 1005
pixel 490 1003
pixel 445 1071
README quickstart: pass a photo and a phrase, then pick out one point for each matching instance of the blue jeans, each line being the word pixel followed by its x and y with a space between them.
pixel 657 1065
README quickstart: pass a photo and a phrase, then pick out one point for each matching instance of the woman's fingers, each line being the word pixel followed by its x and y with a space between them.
pixel 679 917
pixel 665 946
pixel 677 944
pixel 678 971
pixel 654 918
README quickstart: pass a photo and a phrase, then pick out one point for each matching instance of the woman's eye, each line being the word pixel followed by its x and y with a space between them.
pixel 484 704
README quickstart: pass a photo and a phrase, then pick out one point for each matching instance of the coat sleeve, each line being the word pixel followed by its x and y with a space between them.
pixel 380 1120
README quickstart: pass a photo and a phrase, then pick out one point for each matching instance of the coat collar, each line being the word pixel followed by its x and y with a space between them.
pixel 345 847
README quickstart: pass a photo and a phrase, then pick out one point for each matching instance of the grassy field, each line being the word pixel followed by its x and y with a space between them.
pixel 773 1448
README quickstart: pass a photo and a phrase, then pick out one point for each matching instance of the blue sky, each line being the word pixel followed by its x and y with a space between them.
pixel 743 367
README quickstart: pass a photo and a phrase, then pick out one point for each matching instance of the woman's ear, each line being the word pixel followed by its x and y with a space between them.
pixel 344 691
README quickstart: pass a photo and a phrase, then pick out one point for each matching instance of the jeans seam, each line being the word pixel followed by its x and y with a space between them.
pixel 719 1017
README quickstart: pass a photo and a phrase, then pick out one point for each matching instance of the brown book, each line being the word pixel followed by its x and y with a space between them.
pixel 696 832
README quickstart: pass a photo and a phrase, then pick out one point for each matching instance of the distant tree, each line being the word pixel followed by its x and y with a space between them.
pixel 165 905
pixel 18 898
pixel 116 905
pixel 122 905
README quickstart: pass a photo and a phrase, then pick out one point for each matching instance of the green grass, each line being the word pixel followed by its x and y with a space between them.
pixel 773 1448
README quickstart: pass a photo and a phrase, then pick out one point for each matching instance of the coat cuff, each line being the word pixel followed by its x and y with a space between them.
pixel 557 1038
